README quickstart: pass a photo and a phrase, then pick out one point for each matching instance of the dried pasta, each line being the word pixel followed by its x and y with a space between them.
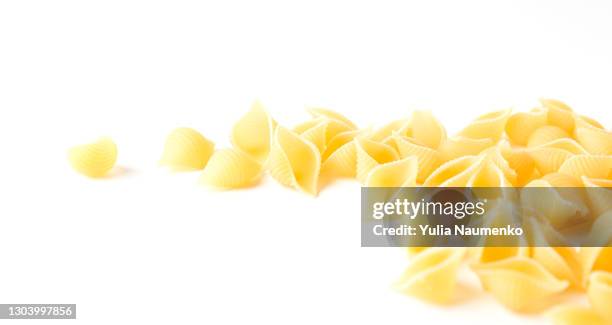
pixel 231 168
pixel 94 159
pixel 432 275
pixel 576 315
pixel 186 149
pixel 600 293
pixel 253 132
pixel 294 161
pixel 519 283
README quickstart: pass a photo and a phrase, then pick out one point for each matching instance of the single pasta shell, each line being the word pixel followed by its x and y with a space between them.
pixel 186 149
pixel 341 163
pixel 231 168
pixel 388 130
pixel 95 159
pixel 432 274
pixel 549 160
pixel 487 126
pixel 559 114
pixel 316 135
pixel 329 114
pixel 427 129
pixel 595 259
pixel 562 262
pixel 370 154
pixel 457 147
pixel 566 144
pixel 575 315
pixel 399 173
pixel 294 161
pixel 599 194
pixel 428 158
pixel 253 132
pixel 587 165
pixel 546 134
pixel 600 293
pixel 595 141
pixel 449 170
pixel 519 283
pixel 522 124
pixel 492 253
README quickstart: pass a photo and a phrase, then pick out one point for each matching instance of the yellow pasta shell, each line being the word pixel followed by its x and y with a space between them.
pixel 549 160
pixel 595 141
pixel 186 149
pixel 253 132
pixel 522 124
pixel 231 168
pixel 432 275
pixel 559 114
pixel 329 114
pixel 341 163
pixel 595 259
pixel 402 125
pixel 399 173
pixel 487 126
pixel 600 293
pixel 428 158
pixel 370 154
pixel 449 170
pixel 599 194
pixel 294 161
pixel 546 134
pixel 562 262
pixel 426 129
pixel 453 148
pixel 519 283
pixel 576 315
pixel 94 159
pixel 317 135
pixel 587 165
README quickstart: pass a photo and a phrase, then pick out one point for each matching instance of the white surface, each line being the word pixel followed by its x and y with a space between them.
pixel 149 246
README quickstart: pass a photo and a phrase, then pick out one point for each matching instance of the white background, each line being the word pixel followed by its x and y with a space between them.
pixel 150 246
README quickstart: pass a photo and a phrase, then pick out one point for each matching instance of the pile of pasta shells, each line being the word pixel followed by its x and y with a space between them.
pixel 548 146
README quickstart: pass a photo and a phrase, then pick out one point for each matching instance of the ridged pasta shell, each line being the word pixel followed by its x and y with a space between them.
pixel 552 205
pixel 546 134
pixel 599 194
pixel 453 148
pixel 388 130
pixel 522 124
pixel 595 259
pixel 426 129
pixel 575 315
pixel 432 274
pixel 522 163
pixel 294 161
pixel 487 126
pixel 449 171
pixel 341 163
pixel 370 154
pixel 317 135
pixel 94 159
pixel 595 141
pixel 566 144
pixel 559 114
pixel 186 149
pixel 495 156
pixel 600 293
pixel 329 114
pixel 399 173
pixel 586 122
pixel 562 262
pixel 587 165
pixel 231 168
pixel 519 283
pixel 253 132
pixel 338 141
pixel 601 231
pixel 428 158
pixel 548 160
